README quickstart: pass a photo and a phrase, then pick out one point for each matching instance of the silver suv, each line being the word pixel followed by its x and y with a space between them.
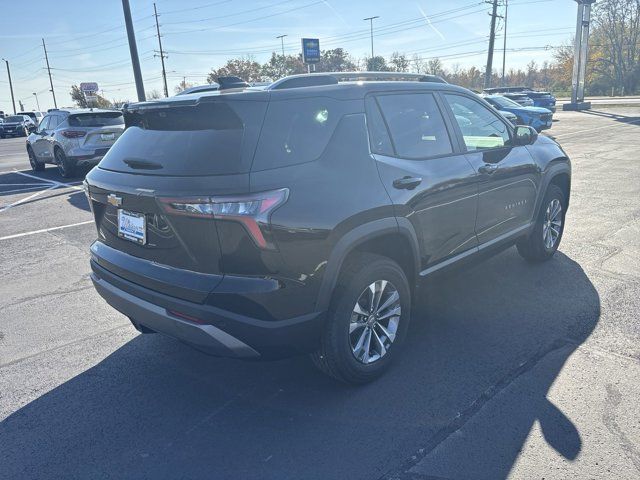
pixel 73 138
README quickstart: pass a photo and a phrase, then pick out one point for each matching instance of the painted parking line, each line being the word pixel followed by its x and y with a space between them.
pixel 26 199
pixel 595 128
pixel 25 189
pixel 62 184
pixel 45 230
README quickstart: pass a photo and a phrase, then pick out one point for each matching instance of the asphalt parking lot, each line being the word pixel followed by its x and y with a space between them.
pixel 510 370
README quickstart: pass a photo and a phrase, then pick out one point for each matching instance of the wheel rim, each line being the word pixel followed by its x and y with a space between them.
pixel 32 160
pixel 374 321
pixel 60 162
pixel 552 225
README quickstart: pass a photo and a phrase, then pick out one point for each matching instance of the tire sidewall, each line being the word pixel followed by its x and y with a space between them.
pixel 347 295
pixel 62 163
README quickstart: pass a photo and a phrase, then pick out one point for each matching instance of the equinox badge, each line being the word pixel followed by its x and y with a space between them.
pixel 114 200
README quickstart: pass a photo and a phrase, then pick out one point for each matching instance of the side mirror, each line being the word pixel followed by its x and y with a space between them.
pixel 525 135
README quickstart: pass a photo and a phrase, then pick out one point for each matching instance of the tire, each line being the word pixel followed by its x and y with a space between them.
pixel 338 347
pixel 536 247
pixel 65 167
pixel 36 165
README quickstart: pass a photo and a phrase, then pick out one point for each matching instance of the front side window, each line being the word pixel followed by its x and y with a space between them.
pixel 481 128
pixel 416 125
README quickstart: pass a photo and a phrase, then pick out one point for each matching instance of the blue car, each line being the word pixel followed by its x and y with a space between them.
pixel 538 99
pixel 536 117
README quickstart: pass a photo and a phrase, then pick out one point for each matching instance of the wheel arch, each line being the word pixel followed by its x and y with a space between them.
pixel 391 237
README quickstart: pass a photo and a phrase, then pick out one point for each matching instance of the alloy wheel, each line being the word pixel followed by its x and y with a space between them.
pixel 552 225
pixel 374 321
pixel 60 162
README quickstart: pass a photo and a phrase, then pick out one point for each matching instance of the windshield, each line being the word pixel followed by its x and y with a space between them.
pixel 503 102
pixel 96 119
pixel 14 118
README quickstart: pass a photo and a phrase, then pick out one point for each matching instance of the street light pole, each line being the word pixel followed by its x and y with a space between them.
pixel 13 101
pixel 281 37
pixel 371 19
pixel 37 102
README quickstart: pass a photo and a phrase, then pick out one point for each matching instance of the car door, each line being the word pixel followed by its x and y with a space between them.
pixel 39 144
pixel 50 139
pixel 427 176
pixel 508 176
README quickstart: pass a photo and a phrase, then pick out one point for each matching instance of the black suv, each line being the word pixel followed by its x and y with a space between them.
pixel 298 218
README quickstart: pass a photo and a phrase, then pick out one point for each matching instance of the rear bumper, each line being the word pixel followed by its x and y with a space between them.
pixel 210 329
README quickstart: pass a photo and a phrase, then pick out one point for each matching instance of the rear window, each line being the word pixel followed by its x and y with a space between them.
pixel 14 118
pixel 297 131
pixel 210 138
pixel 96 119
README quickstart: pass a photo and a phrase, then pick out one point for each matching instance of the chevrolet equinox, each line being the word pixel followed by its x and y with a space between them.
pixel 299 217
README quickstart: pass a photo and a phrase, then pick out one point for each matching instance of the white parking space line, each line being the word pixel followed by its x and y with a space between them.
pixel 67 185
pixel 26 199
pixel 25 189
pixel 45 230
pixel 595 128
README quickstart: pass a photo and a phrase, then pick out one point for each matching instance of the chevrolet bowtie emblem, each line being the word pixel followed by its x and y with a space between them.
pixel 114 200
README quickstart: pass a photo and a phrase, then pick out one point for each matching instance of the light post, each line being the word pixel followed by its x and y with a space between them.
pixel 37 102
pixel 371 19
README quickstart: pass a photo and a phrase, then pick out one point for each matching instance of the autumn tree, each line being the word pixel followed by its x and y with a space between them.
pixel 246 68
pixel 79 98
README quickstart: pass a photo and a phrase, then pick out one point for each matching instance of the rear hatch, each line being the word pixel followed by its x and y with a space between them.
pixel 101 129
pixel 172 157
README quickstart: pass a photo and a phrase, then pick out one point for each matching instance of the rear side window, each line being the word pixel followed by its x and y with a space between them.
pixel 44 124
pixel 296 131
pixel 96 119
pixel 416 125
pixel 481 128
pixel 378 134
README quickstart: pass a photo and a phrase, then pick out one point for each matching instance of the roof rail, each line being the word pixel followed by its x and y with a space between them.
pixel 332 78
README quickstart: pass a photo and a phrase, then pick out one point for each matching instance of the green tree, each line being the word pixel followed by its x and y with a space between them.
pixel 336 60
pixel 79 98
pixel 377 64
pixel 246 68
pixel 398 62
pixel 280 66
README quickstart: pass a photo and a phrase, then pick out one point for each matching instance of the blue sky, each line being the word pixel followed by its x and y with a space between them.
pixel 87 41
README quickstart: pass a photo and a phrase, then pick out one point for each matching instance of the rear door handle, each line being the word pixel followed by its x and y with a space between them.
pixel 488 168
pixel 407 183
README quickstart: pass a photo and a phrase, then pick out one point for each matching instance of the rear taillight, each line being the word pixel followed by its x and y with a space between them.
pixel 73 133
pixel 253 211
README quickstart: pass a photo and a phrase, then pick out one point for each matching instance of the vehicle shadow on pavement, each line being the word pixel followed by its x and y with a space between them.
pixel 157 409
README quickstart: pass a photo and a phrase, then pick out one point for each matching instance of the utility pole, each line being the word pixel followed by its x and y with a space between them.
pixel 46 57
pixel 13 101
pixel 504 48
pixel 162 55
pixel 371 19
pixel 492 40
pixel 281 37
pixel 133 49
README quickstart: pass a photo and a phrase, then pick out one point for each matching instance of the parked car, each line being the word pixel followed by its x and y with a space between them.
pixel 73 138
pixel 512 117
pixel 268 223
pixel 536 117
pixel 36 117
pixel 16 126
pixel 539 99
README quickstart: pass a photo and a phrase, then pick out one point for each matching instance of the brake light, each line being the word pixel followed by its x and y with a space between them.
pixel 73 133
pixel 253 211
